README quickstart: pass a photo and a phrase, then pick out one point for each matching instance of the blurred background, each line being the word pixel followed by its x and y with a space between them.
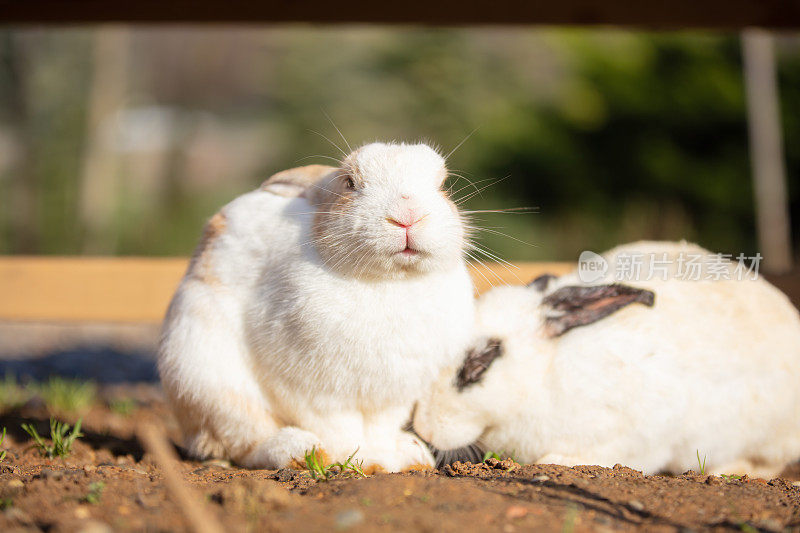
pixel 121 141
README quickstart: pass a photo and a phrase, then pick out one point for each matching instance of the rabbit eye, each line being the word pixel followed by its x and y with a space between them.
pixel 349 183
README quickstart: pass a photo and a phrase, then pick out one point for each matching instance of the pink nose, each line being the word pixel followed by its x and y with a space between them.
pixel 407 215
pixel 405 218
pixel 404 222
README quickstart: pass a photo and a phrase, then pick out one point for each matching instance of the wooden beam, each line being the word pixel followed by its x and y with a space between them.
pixel 87 289
pixel 660 14
pixel 135 289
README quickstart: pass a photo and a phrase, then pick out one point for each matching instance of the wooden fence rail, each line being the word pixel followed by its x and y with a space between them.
pixel 726 14
pixel 136 289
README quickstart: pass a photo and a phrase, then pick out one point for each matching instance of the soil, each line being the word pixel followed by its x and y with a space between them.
pixel 37 493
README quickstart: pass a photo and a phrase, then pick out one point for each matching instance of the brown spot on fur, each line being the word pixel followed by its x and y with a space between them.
pixel 201 266
pixel 580 306
pixel 373 469
pixel 215 227
pixel 418 467
pixel 477 362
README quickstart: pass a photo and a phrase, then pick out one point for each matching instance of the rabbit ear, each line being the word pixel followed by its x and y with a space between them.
pixel 477 362
pixel 296 181
pixel 573 306
pixel 542 282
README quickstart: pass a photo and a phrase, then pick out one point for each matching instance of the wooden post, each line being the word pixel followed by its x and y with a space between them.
pixel 766 150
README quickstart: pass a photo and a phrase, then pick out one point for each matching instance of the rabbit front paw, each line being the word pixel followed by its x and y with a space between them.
pixel 287 447
pixel 406 452
pixel 413 454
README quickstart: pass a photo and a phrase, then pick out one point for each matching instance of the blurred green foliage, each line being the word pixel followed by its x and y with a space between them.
pixel 649 140
pixel 614 136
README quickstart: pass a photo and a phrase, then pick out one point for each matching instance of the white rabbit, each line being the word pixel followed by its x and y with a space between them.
pixel 317 310
pixel 690 367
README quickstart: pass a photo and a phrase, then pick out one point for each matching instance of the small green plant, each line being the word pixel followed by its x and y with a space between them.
pixel 314 464
pixel 66 395
pixel 702 465
pixel 570 518
pixel 12 394
pixel 2 439
pixel 60 436
pixel 499 456
pixel 730 477
pixel 491 455
pixel 95 492
pixel 123 406
pixel 322 472
pixel 351 466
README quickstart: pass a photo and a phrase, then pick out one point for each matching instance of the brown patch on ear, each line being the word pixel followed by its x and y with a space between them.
pixel 295 181
pixel 201 265
pixel 583 305
pixel 477 362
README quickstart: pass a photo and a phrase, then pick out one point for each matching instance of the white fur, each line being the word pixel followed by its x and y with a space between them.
pixel 713 367
pixel 279 339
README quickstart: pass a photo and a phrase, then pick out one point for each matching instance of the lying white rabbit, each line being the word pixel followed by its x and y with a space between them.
pixel 317 310
pixel 676 369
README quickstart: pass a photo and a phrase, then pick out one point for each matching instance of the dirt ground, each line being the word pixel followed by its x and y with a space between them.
pixel 66 494
pixel 111 483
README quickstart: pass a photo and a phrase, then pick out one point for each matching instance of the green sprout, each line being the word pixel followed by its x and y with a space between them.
pixel 95 492
pixel 60 436
pixel 702 465
pixel 66 395
pixel 2 439
pixel 499 456
pixel 321 472
pixel 124 406
pixel 12 394
pixel 570 518
pixel 491 455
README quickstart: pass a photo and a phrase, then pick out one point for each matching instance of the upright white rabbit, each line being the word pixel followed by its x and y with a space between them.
pixel 676 368
pixel 317 310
